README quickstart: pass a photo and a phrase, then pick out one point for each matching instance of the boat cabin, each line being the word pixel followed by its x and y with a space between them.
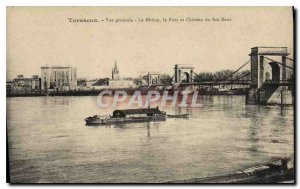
pixel 136 112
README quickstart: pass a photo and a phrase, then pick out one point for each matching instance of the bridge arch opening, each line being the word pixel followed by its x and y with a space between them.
pixel 275 71
pixel 186 78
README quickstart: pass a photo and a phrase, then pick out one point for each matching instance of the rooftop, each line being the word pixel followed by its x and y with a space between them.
pixel 123 113
pixel 56 67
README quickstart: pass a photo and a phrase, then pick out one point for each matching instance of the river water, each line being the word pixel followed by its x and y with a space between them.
pixel 49 142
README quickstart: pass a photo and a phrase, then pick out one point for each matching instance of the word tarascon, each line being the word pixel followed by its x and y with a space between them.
pixel 83 20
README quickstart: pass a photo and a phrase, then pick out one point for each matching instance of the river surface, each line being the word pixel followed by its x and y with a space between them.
pixel 49 142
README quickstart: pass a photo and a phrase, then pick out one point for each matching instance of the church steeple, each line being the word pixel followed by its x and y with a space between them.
pixel 115 72
pixel 116 67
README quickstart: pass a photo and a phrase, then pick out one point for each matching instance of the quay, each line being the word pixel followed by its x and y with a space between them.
pixel 280 171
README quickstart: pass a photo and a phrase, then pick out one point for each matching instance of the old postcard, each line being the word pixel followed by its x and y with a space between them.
pixel 150 95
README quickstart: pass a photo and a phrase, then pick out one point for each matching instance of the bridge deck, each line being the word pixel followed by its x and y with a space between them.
pixel 240 82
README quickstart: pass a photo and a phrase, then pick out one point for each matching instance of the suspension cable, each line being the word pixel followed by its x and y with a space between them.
pixel 289 59
pixel 245 75
pixel 235 71
pixel 278 62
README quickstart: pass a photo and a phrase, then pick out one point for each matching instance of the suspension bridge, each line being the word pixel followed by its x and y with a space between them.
pixel 270 76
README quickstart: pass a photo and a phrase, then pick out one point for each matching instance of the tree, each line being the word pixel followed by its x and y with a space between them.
pixel 223 75
pixel 204 76
pixel 244 75
pixel 142 80
pixel 165 79
pixel 81 81
pixel 101 82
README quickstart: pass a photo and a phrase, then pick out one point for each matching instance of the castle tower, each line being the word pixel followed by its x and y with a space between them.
pixel 115 72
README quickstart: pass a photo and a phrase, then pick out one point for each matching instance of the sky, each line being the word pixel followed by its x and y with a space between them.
pixel 38 36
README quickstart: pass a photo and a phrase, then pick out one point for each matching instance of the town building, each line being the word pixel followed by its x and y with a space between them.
pixel 22 85
pixel 96 84
pixel 8 87
pixel 121 83
pixel 58 78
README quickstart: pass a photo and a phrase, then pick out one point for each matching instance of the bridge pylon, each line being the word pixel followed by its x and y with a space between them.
pixel 268 76
pixel 184 73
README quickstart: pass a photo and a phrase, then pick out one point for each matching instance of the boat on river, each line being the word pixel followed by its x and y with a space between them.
pixel 128 116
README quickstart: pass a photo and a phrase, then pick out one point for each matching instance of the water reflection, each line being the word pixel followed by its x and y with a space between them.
pixel 257 116
pixel 148 129
pixel 254 139
pixel 56 101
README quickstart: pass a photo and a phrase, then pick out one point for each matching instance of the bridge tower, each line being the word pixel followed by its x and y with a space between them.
pixel 184 73
pixel 153 78
pixel 268 75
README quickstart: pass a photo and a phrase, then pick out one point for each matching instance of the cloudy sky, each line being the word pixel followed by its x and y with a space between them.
pixel 38 36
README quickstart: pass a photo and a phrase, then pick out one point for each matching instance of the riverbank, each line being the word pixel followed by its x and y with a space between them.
pixel 143 91
pixel 281 171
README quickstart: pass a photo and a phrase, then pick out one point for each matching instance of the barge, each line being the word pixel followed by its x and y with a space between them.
pixel 128 116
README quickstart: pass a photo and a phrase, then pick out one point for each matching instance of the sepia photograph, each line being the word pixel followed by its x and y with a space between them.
pixel 150 95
